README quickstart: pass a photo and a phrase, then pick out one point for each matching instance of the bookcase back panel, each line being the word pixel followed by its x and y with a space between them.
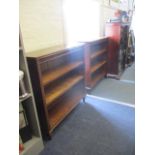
pixel 98 46
pixel 60 61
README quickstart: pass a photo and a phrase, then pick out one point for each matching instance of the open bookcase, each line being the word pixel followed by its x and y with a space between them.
pixel 35 144
pixel 95 61
pixel 58 82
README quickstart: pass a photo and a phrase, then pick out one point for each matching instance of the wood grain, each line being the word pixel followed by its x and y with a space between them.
pixel 97 78
pixel 57 114
pixel 97 53
pixel 97 66
pixel 54 74
pixel 62 88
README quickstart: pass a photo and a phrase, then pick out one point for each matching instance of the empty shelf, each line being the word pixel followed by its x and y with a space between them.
pixel 97 53
pixel 62 88
pixel 97 66
pixel 57 114
pixel 54 74
pixel 97 78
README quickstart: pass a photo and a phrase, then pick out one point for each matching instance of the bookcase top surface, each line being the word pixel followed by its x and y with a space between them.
pixel 53 50
pixel 94 39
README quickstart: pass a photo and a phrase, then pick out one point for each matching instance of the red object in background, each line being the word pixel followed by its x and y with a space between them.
pixel 113 31
pixel 117 33
pixel 21 148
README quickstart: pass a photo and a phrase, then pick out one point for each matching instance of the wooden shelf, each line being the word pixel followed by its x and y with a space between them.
pixel 58 89
pixel 97 78
pixel 62 88
pixel 97 66
pixel 57 114
pixel 53 75
pixel 97 53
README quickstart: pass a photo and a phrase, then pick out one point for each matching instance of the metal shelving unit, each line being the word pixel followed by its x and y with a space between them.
pixel 35 144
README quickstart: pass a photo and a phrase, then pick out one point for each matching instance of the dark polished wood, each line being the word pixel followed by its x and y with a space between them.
pixel 39 95
pixel 98 77
pixel 54 74
pixel 97 66
pixel 95 58
pixel 66 105
pixel 58 83
pixel 97 54
pixel 62 88
pixel 117 33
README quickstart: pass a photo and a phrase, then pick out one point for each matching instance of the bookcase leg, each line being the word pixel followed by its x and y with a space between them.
pixel 84 100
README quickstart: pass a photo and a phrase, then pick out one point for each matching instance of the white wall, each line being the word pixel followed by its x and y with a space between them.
pixel 131 4
pixel 84 24
pixel 106 14
pixel 41 23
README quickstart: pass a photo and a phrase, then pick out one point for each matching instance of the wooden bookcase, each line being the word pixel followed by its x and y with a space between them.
pixel 117 48
pixel 95 61
pixel 35 144
pixel 57 76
